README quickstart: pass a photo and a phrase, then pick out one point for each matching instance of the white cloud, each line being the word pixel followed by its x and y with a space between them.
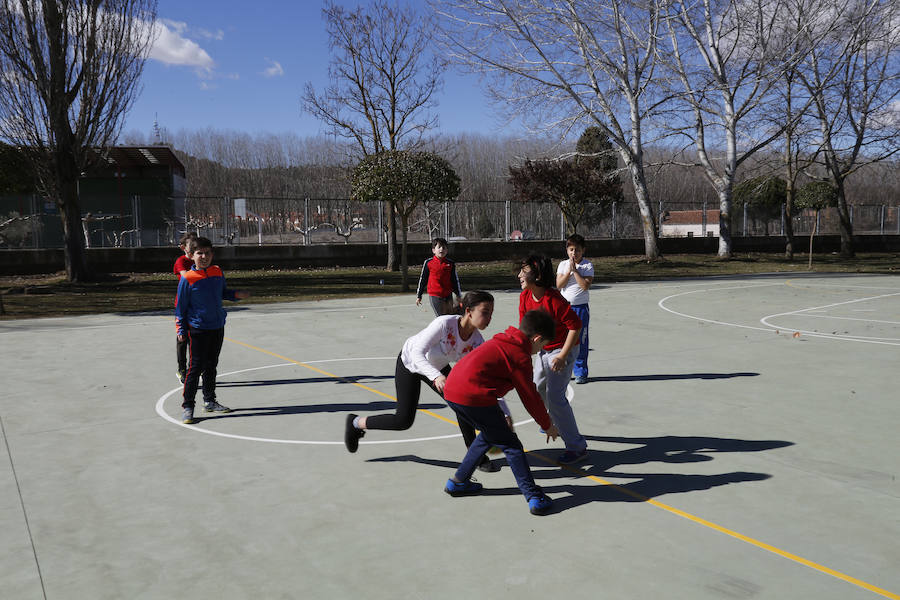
pixel 217 35
pixel 172 48
pixel 273 70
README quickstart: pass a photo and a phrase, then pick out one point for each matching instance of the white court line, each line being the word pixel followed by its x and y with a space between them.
pixel 162 413
pixel 858 338
pixel 662 305
pixel 771 327
pixel 832 317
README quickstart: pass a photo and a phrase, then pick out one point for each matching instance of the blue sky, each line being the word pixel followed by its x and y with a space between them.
pixel 242 66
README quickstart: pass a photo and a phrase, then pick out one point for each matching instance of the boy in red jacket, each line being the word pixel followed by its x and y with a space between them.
pixel 439 280
pixel 472 388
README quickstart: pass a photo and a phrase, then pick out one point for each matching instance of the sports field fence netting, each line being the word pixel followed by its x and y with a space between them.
pixel 161 221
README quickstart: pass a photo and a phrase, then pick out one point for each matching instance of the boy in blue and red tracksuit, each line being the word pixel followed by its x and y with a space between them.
pixel 489 372
pixel 200 319
pixel 439 280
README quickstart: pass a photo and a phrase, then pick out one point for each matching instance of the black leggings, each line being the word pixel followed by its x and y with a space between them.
pixel 205 346
pixel 408 386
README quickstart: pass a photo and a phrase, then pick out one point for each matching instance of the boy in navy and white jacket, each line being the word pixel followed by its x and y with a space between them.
pixel 200 319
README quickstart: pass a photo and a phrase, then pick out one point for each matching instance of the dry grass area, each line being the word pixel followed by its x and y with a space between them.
pixel 51 295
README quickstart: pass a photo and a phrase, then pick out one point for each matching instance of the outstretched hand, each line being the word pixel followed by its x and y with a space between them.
pixel 552 432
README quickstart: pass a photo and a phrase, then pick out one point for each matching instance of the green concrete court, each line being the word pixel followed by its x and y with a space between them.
pixel 730 457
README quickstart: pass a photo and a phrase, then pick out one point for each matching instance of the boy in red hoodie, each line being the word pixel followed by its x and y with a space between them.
pixel 472 388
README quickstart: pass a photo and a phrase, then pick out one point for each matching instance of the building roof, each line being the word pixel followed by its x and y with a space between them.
pixel 143 156
pixel 689 217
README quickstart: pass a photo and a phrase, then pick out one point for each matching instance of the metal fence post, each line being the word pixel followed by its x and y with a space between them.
pixel 306 228
pixel 225 212
pixel 136 218
pixel 380 222
pixel 614 204
pixel 506 211
pixel 783 209
pixel 882 219
pixel 703 220
pixel 745 221
pixel 446 219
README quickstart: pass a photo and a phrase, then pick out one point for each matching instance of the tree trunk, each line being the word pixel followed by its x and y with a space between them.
pixel 847 250
pixel 648 219
pixel 788 219
pixel 73 234
pixel 404 263
pixel 812 234
pixel 392 261
pixel 725 243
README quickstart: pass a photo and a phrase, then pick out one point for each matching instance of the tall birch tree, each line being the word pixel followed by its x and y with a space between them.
pixel 728 56
pixel 852 73
pixel 572 63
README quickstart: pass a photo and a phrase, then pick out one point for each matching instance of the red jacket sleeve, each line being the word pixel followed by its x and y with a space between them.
pixel 531 399
pixel 565 314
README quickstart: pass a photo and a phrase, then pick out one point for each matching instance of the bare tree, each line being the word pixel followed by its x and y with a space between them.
pixel 728 56
pixel 853 75
pixel 69 71
pixel 384 79
pixel 407 180
pixel 571 62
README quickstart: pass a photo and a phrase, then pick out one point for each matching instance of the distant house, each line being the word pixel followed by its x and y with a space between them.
pixel 690 223
pixel 133 196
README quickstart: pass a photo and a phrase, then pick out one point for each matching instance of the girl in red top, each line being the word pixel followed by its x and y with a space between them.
pixel 554 363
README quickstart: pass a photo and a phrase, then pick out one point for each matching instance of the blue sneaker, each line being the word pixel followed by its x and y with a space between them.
pixel 465 488
pixel 539 505
pixel 570 458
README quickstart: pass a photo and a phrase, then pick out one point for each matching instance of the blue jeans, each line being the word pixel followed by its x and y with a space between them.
pixel 584 313
pixel 552 387
pixel 494 432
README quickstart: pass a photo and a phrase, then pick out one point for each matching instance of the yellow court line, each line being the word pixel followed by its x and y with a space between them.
pixel 321 372
pixel 729 532
pixel 627 492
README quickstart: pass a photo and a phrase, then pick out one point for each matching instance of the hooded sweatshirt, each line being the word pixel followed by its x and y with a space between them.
pixel 494 368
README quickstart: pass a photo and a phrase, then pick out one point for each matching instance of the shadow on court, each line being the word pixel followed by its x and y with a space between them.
pixel 639 487
pixel 305 409
pixel 671 376
pixel 265 382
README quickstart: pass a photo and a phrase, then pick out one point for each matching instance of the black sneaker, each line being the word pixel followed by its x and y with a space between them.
pixel 539 505
pixel 487 465
pixel 570 457
pixel 352 434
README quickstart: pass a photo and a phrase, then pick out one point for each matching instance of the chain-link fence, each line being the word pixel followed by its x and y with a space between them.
pixel 153 221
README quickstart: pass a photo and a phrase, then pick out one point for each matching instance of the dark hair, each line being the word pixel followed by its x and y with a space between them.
pixel 576 239
pixel 473 299
pixel 538 322
pixel 203 242
pixel 541 270
pixel 190 235
pixel 439 241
